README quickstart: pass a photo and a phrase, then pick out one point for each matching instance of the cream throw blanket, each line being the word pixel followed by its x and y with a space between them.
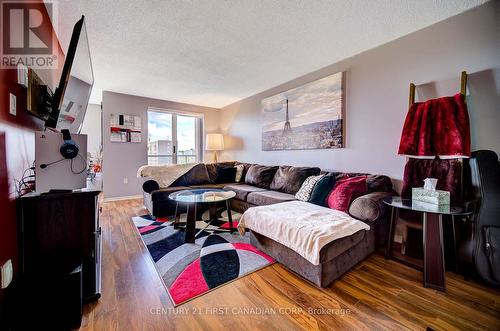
pixel 164 175
pixel 300 226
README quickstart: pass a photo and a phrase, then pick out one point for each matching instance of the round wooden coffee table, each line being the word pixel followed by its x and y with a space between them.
pixel 195 197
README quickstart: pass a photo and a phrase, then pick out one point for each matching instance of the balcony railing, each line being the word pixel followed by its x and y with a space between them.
pixel 168 159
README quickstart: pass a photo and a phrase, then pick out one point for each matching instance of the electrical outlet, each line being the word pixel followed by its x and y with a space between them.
pixel 125 180
pixel 12 104
pixel 7 273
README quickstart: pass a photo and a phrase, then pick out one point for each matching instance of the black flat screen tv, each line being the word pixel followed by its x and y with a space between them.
pixel 72 95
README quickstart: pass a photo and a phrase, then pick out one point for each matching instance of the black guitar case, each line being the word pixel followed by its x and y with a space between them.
pixel 482 245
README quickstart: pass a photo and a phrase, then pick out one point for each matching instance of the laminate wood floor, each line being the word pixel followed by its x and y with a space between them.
pixel 375 295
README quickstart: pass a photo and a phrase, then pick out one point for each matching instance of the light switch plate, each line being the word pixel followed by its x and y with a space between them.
pixel 7 273
pixel 22 75
pixel 12 104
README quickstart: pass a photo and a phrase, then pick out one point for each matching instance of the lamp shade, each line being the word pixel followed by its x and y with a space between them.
pixel 215 142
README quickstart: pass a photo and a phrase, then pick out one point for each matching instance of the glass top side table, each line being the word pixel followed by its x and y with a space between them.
pixel 192 198
pixel 432 216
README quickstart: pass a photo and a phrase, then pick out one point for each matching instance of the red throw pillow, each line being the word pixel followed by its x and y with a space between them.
pixel 345 191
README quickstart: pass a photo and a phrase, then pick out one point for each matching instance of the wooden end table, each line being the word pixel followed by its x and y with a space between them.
pixel 434 265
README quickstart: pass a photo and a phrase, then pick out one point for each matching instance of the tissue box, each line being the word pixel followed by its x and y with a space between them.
pixel 429 207
pixel 436 197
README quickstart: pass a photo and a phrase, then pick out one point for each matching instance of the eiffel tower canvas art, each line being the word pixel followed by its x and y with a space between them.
pixel 306 117
pixel 287 127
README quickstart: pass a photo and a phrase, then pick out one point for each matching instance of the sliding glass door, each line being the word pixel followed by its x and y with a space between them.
pixel 174 137
pixel 160 142
pixel 187 141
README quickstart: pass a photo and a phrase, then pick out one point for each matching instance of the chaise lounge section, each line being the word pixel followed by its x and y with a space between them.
pixel 340 255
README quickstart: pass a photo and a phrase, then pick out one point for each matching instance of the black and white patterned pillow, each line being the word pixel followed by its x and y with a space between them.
pixel 305 190
pixel 239 172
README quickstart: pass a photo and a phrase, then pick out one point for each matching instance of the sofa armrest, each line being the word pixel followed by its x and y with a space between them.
pixel 150 186
pixel 369 207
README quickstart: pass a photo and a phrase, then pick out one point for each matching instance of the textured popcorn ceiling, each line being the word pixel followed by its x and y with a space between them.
pixel 216 52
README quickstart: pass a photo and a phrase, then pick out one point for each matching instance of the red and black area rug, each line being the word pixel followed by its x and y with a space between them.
pixel 190 270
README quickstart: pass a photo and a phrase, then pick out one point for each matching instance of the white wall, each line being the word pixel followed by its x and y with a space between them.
pixel 377 84
pixel 121 160
pixel 92 128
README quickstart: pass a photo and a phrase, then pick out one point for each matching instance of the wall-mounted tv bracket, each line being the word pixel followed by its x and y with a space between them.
pixel 40 96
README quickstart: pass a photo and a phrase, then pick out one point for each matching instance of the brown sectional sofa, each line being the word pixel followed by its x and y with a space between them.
pixel 264 185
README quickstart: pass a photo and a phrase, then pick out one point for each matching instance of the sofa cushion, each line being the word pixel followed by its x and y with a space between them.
pixel 289 179
pixel 345 191
pixel 225 174
pixel 321 190
pixel 212 169
pixel 163 193
pixel 268 198
pixel 196 176
pixel 378 183
pixel 304 193
pixel 260 175
pixel 242 190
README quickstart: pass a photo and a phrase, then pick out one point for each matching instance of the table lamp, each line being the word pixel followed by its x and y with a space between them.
pixel 215 142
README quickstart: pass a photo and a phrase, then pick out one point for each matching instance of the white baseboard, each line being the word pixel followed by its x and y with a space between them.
pixel 129 197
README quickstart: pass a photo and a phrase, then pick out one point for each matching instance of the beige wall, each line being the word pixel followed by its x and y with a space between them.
pixel 121 160
pixel 377 83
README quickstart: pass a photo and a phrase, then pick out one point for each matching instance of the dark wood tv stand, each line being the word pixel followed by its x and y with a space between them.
pixel 58 230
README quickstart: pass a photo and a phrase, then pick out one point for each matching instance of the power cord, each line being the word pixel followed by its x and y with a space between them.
pixel 84 168
pixel 26 184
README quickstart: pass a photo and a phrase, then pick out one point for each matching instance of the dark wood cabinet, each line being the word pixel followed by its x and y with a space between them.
pixel 58 231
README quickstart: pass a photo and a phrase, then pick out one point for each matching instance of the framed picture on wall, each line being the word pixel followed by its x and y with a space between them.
pixel 125 128
pixel 310 116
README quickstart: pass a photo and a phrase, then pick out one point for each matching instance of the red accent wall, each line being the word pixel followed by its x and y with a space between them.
pixel 17 150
